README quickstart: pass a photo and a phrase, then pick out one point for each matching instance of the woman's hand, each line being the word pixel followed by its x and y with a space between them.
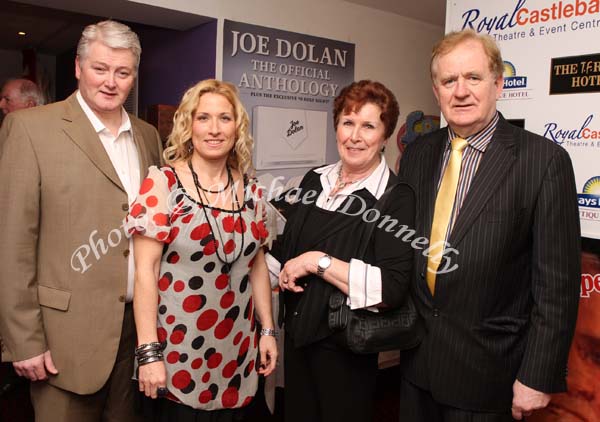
pixel 267 346
pixel 296 268
pixel 152 376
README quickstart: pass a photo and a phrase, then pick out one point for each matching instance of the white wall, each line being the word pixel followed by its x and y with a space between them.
pixel 389 48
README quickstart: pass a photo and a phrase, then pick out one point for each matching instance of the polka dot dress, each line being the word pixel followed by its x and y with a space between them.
pixel 205 312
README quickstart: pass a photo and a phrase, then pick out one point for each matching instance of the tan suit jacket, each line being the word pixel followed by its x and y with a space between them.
pixel 64 253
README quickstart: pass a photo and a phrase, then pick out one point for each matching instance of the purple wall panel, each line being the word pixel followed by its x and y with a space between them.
pixel 172 61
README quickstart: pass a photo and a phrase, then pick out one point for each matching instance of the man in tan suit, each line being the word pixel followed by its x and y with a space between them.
pixel 69 170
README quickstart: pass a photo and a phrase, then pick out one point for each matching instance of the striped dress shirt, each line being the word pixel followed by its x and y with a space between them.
pixel 472 155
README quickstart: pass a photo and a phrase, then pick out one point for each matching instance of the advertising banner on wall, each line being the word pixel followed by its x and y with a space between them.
pixel 551 78
pixel 287 82
pixel 581 403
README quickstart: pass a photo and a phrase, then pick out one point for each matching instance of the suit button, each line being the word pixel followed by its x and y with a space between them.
pixel 126 253
pixel 436 312
pixel 122 298
pixel 295 313
pixel 125 207
pixel 422 275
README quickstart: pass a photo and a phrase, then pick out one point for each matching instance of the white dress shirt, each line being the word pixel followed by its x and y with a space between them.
pixel 364 280
pixel 123 155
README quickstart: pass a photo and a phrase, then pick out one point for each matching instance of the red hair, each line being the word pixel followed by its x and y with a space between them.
pixel 353 97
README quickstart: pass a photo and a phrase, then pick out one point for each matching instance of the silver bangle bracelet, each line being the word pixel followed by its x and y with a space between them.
pixel 268 332
pixel 148 347
pixel 149 354
pixel 150 359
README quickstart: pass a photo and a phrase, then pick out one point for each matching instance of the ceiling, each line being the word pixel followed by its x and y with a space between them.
pixel 54 26
pixel 430 11
pixel 47 30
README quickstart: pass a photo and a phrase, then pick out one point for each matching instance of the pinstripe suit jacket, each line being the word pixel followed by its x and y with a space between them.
pixel 508 311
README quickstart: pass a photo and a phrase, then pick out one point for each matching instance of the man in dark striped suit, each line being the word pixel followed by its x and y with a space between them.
pixel 499 285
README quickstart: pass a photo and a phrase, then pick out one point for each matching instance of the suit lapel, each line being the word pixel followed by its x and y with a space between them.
pixel 432 161
pixel 79 129
pixel 496 162
pixel 142 149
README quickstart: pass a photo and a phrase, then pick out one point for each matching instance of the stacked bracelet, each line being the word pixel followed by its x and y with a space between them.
pixel 268 332
pixel 149 352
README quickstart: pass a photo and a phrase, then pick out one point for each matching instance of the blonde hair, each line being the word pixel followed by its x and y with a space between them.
pixel 180 140
pixel 453 39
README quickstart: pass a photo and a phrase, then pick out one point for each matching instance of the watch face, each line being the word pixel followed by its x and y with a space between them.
pixel 325 262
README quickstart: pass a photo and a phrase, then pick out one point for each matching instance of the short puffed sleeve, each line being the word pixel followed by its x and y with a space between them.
pixel 150 213
pixel 259 224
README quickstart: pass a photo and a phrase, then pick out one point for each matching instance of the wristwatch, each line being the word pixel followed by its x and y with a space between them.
pixel 322 265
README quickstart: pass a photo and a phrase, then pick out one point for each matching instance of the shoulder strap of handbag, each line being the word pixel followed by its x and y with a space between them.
pixel 379 205
pixel 362 247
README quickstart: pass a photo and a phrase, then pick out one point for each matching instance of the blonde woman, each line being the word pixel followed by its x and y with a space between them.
pixel 199 227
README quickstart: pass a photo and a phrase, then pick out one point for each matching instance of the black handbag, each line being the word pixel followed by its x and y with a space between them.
pixel 367 332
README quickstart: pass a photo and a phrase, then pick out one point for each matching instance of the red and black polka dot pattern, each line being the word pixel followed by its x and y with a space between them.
pixel 205 313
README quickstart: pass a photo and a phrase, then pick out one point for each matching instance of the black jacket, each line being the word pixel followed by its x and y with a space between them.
pixel 508 311
pixel 339 234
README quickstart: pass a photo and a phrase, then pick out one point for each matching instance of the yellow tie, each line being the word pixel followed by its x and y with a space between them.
pixel 444 204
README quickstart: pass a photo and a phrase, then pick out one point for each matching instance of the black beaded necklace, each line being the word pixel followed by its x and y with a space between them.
pixel 229 180
pixel 235 205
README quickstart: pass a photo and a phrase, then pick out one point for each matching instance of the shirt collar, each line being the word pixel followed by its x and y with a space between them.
pixel 481 139
pixel 374 183
pixel 97 123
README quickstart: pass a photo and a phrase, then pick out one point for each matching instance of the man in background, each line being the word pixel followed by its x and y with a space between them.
pixel 18 94
pixel 70 171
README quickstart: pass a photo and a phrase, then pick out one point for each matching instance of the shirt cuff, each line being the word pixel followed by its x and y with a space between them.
pixel 274 267
pixel 364 285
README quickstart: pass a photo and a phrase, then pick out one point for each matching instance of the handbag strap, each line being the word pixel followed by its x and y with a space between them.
pixel 337 297
pixel 379 205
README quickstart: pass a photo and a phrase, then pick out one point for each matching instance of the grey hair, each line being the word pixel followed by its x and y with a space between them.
pixel 29 91
pixel 113 34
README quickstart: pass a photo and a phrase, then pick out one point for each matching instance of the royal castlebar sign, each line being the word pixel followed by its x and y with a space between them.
pixel 552 78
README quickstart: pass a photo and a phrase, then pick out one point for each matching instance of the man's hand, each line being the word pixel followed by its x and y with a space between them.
pixel 526 400
pixel 37 367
